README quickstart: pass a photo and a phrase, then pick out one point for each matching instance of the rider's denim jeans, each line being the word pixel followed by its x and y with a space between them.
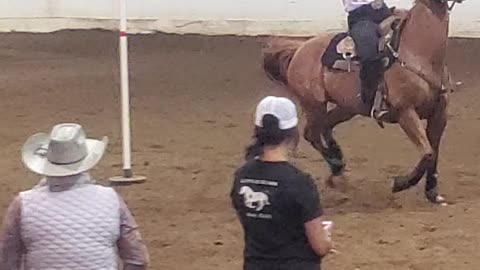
pixel 363 23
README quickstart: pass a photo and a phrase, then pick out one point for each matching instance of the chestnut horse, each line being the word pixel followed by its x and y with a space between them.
pixel 416 85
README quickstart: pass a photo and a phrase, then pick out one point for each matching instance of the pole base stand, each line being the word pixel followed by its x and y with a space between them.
pixel 127 179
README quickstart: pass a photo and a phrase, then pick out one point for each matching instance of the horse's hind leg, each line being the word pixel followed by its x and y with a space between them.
pixel 334 155
pixel 412 125
pixel 435 129
pixel 319 132
pixel 316 115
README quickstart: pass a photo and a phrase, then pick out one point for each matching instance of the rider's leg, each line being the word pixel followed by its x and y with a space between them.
pixel 378 110
pixel 363 25
pixel 364 33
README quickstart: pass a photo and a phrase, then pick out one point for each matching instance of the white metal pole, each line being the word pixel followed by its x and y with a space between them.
pixel 127 166
pixel 128 176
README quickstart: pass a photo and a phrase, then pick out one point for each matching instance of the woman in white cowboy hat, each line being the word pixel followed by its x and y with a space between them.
pixel 67 221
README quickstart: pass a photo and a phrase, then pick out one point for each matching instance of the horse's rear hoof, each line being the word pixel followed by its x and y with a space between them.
pixel 338 182
pixel 433 197
pixel 400 183
pixel 330 183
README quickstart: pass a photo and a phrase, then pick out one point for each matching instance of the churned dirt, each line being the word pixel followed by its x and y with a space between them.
pixel 192 103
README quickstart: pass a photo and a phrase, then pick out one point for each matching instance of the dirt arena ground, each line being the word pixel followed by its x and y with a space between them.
pixel 192 102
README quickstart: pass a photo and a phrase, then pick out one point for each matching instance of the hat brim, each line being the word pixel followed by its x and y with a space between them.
pixel 39 163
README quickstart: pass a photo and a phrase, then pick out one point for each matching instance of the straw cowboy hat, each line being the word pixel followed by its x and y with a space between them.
pixel 65 151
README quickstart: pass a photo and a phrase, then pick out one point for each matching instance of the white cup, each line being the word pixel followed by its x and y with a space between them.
pixel 327 225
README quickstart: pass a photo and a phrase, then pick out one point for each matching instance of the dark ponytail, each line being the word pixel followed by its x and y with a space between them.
pixel 269 134
pixel 255 149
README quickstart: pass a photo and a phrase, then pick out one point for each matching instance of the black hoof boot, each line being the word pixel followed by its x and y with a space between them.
pixel 400 183
pixel 337 168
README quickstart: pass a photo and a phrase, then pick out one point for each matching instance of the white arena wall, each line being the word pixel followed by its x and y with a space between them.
pixel 210 17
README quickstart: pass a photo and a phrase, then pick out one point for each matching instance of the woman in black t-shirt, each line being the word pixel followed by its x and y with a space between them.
pixel 277 204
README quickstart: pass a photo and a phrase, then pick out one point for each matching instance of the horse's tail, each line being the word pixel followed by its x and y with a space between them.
pixel 277 56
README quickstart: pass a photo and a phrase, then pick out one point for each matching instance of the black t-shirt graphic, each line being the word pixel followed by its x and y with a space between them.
pixel 273 201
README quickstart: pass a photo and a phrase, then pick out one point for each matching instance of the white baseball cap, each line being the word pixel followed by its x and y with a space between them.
pixel 282 108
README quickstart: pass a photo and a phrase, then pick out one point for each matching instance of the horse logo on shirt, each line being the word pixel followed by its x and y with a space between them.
pixel 254 200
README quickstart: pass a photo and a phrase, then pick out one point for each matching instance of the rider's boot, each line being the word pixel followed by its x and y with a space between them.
pixel 371 74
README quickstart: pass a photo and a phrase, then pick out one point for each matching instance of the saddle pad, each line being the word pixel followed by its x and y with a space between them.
pixel 331 56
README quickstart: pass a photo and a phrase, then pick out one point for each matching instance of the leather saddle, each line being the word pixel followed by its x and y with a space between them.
pixel 345 49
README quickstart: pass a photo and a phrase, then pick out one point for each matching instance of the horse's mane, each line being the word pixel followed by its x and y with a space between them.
pixel 439 9
pixel 406 14
pixel 419 1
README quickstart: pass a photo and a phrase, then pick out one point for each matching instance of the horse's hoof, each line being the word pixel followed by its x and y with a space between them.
pixel 380 124
pixel 400 183
pixel 434 197
pixel 330 183
pixel 338 182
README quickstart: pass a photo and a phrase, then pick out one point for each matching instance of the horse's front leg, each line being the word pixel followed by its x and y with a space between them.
pixel 435 129
pixel 412 125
